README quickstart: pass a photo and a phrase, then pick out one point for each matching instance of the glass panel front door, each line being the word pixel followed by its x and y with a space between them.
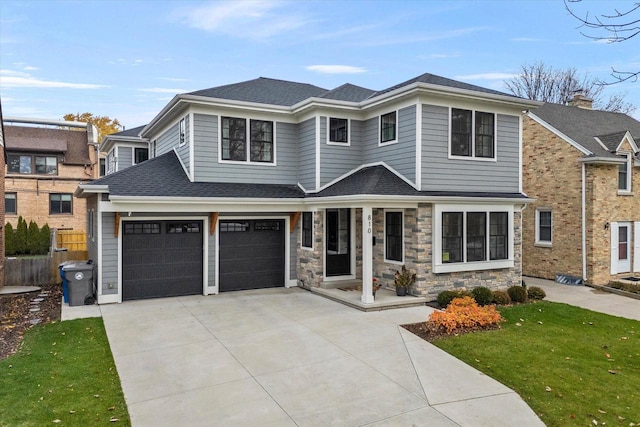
pixel 338 242
pixel 624 244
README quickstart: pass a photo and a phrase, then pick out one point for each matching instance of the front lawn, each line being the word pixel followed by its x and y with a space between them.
pixel 63 374
pixel 572 366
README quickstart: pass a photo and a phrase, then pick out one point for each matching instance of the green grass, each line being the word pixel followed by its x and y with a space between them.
pixel 571 365
pixel 63 371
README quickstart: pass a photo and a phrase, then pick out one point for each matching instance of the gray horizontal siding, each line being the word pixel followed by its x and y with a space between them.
pixel 401 156
pixel 439 173
pixel 209 169
pixel 125 157
pixel 109 265
pixel 168 140
pixel 307 154
pixel 336 160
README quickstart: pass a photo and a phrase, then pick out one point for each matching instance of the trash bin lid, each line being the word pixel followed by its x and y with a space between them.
pixel 71 261
pixel 78 266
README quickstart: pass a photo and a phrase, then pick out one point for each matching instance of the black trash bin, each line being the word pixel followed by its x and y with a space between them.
pixel 79 276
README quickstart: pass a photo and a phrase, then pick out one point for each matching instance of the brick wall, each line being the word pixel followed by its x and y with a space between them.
pixel 2 219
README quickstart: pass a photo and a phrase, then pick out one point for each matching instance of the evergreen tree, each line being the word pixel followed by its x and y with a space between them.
pixel 33 238
pixel 21 236
pixel 9 240
pixel 45 239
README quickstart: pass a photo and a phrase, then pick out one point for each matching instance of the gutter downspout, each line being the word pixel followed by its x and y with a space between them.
pixel 584 225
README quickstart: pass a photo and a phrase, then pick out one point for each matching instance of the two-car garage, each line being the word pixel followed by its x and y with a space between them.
pixel 165 257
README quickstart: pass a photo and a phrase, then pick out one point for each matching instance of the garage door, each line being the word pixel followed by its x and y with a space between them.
pixel 161 259
pixel 251 254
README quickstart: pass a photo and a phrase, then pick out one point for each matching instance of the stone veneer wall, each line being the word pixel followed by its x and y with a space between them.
pixel 311 262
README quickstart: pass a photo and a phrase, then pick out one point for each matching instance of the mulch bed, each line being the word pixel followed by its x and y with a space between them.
pixel 420 329
pixel 18 314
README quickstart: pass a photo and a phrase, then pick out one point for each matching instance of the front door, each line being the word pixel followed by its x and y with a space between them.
pixel 624 247
pixel 338 241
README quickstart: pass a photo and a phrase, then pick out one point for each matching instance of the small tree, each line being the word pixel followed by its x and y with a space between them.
pixel 9 240
pixel 33 238
pixel 44 242
pixel 21 236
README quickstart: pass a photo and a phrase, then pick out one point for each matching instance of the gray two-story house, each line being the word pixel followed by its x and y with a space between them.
pixel 121 150
pixel 269 183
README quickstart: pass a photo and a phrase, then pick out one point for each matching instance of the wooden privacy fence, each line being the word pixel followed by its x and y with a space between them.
pixel 72 240
pixel 38 270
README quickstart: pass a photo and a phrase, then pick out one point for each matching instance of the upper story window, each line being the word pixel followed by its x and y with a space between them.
pixel 140 155
pixel 472 134
pixel 234 140
pixel 11 203
pixel 32 164
pixel 624 175
pixel 103 166
pixel 544 223
pixel 111 162
pixel 338 130
pixel 183 132
pixel 388 127
pixel 153 148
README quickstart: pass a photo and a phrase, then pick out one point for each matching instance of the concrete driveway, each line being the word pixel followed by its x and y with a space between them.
pixel 286 357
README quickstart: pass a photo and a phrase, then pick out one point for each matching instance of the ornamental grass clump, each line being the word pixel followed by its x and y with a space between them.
pixel 463 315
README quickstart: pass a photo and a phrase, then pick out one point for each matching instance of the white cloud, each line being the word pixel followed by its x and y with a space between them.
pixel 162 90
pixel 336 69
pixel 13 79
pixel 487 76
pixel 30 68
pixel 244 19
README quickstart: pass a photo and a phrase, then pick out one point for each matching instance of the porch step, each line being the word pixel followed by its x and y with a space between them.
pixel 335 284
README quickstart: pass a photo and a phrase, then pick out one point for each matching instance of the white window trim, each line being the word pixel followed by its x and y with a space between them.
pixel 538 242
pixel 247 128
pixel 392 261
pixel 133 154
pixel 15 194
pixel 627 191
pixel 313 230
pixel 339 144
pixel 440 267
pixel 182 132
pixel 392 141
pixel 473 157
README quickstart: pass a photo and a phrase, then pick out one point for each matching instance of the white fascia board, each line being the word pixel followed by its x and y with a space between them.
pixel 167 108
pixel 352 171
pixel 560 134
pixel 631 141
pixel 26 120
pixel 412 200
pixel 603 160
pixel 599 141
pixel 85 190
pixel 200 204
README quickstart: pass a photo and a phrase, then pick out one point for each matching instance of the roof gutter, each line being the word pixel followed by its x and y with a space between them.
pixel 84 190
pixel 602 160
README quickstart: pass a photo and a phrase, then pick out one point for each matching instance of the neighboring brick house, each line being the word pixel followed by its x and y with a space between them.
pixel 582 167
pixel 46 161
pixel 269 183
pixel 2 207
pixel 123 149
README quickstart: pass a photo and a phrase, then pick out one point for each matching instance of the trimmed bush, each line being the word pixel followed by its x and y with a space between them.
pixel 44 240
pixel 463 314
pixel 501 298
pixel 482 295
pixel 9 240
pixel 21 237
pixel 445 297
pixel 33 238
pixel 535 292
pixel 517 294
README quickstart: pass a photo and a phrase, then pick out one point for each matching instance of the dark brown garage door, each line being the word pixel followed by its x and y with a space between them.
pixel 251 254
pixel 161 259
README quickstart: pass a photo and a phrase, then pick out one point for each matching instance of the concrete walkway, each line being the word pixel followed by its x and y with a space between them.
pixel 286 357
pixel 589 298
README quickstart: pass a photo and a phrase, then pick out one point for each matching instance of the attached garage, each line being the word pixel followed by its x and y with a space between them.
pixel 161 259
pixel 252 254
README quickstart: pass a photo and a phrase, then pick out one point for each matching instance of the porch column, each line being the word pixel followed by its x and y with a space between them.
pixel 367 255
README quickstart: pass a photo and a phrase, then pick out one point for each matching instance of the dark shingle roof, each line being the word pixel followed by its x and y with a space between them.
pixel 264 91
pixel 73 143
pixel 440 81
pixel 349 92
pixel 612 140
pixel 583 125
pixel 164 176
pixel 134 132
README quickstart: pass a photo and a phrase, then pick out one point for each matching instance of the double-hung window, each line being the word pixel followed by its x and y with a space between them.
pixel 260 138
pixel 472 238
pixel 472 134
pixel 140 155
pixel 338 130
pixel 32 164
pixel 182 131
pixel 307 230
pixel 393 236
pixel 624 175
pixel 388 127
pixel 11 203
pixel 544 223
pixel 60 203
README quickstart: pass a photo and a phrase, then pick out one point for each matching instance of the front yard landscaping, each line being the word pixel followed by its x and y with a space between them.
pixel 63 374
pixel 572 366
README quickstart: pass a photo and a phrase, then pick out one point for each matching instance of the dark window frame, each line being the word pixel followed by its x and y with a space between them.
pixel 15 203
pixel 141 227
pixel 338 131
pixel 472 134
pixel 33 165
pixel 394 236
pixel 306 240
pixel 257 139
pixel 182 132
pixel 545 238
pixel 247 140
pixel 624 171
pixel 64 207
pixel 388 128
pixel 140 154
pixel 474 236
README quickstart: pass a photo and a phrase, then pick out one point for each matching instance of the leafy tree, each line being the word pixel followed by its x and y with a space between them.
pixel 614 27
pixel 21 236
pixel 105 125
pixel 33 238
pixel 44 241
pixel 542 82
pixel 9 240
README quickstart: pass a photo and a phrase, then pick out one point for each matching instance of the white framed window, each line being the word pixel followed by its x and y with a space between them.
pixel 11 203
pixel 472 237
pixel 624 175
pixel 90 223
pixel 252 142
pixel 111 162
pixel 389 128
pixel 544 227
pixel 393 236
pixel 472 134
pixel 338 131
pixel 182 132
pixel 306 238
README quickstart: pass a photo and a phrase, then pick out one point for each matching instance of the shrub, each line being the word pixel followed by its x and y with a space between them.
pixel 535 292
pixel 445 297
pixel 628 287
pixel 10 240
pixel 517 294
pixel 33 238
pixel 44 241
pixel 404 278
pixel 463 314
pixel 501 298
pixel 21 237
pixel 482 295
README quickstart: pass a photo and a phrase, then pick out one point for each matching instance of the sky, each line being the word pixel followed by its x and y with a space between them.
pixel 127 59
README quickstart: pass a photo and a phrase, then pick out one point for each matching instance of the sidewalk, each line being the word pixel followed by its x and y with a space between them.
pixel 589 298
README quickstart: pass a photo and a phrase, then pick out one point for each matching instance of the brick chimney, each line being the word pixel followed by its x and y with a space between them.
pixel 580 100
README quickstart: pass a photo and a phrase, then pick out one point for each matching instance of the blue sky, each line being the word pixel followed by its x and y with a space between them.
pixel 127 59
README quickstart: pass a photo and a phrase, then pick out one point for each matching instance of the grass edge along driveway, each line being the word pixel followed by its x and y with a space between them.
pixel 571 365
pixel 63 374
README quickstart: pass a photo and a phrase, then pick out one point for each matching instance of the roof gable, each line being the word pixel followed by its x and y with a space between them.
pixel 73 143
pixel 348 92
